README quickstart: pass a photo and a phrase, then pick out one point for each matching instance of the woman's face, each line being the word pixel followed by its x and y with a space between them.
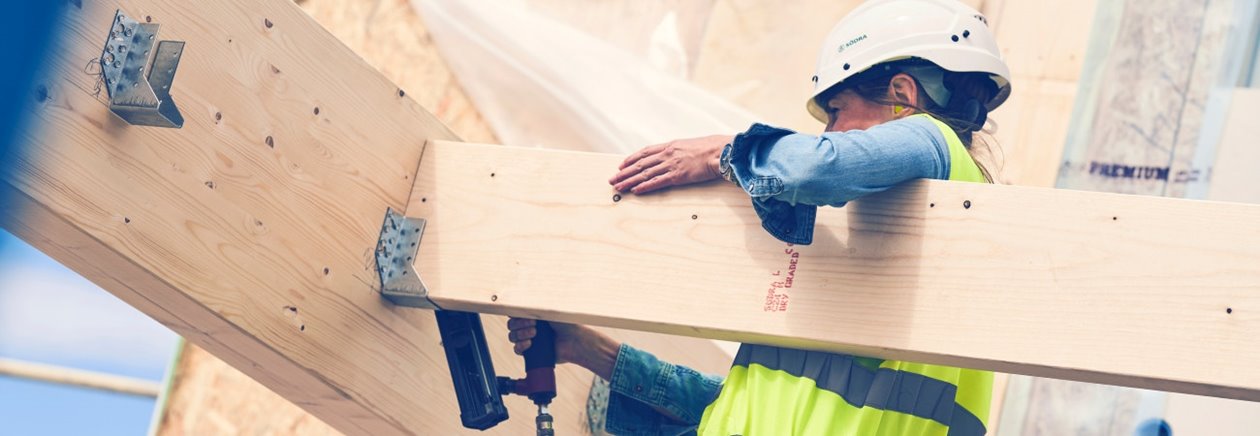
pixel 849 111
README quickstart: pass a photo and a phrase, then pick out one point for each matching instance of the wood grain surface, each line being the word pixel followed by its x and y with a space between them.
pixel 1127 290
pixel 250 230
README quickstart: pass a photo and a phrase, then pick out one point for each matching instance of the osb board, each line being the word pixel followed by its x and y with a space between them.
pixel 1060 407
pixel 210 397
pixel 761 55
pixel 1150 97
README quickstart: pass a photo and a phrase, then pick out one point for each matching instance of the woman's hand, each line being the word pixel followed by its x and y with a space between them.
pixel 577 344
pixel 674 163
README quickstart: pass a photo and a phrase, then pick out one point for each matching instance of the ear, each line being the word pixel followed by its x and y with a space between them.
pixel 903 89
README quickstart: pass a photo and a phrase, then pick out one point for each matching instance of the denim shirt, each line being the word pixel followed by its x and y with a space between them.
pixel 642 384
pixel 788 175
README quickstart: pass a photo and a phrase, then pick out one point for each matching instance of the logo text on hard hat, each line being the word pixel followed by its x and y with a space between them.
pixel 850 43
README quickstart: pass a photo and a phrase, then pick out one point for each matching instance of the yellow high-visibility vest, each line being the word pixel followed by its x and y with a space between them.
pixel 782 391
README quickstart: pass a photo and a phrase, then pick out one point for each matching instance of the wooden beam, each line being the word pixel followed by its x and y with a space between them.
pixel 1148 292
pixel 250 231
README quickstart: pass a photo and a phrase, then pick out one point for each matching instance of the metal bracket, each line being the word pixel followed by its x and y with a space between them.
pixel 395 261
pixel 139 99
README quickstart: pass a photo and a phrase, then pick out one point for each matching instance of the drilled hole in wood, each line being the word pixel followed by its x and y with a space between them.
pixel 267 22
pixel 1114 218
pixel 210 184
pixel 326 270
pixel 494 298
pixel 148 18
pixel 402 93
pixel 966 204
pixel 1229 310
pixel 41 94
pixel 302 328
pixel 616 197
pixel 695 217
pixel 316 110
pixel 422 199
pixel 270 142
pixel 126 220
pixel 491 174
pixel 218 116
pixel 931 204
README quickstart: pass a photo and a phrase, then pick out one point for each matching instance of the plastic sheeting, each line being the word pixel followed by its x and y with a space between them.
pixel 539 82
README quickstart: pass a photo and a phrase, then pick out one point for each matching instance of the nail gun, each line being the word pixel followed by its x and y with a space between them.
pixel 478 390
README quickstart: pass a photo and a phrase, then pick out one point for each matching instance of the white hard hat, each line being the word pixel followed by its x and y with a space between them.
pixel 947 33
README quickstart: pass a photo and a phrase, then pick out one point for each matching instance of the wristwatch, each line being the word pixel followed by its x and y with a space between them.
pixel 724 165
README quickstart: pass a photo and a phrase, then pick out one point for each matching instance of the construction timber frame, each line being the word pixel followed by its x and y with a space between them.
pixel 250 231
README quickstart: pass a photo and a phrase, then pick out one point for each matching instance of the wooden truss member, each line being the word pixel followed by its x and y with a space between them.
pixel 250 232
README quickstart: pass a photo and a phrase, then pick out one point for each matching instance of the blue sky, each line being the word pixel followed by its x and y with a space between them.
pixel 49 314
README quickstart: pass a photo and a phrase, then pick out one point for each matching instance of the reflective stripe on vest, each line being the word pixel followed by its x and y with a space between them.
pixel 782 391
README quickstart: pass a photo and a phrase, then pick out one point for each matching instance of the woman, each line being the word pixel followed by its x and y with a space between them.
pixel 904 86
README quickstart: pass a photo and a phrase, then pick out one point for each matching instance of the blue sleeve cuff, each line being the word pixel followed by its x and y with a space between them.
pixel 643 386
pixel 791 223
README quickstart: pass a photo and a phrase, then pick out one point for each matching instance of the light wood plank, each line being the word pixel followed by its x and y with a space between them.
pixel 1127 290
pixel 211 397
pixel 250 230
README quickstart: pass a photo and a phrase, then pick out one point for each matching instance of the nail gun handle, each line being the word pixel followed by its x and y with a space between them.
pixel 542 348
pixel 540 364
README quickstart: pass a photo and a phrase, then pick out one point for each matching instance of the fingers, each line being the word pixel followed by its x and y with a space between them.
pixel 519 323
pixel 631 184
pixel 520 347
pixel 644 152
pixel 523 334
pixel 521 331
pixel 647 164
pixel 659 182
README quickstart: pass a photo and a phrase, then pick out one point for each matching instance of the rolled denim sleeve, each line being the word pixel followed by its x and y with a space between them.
pixel 788 174
pixel 643 386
